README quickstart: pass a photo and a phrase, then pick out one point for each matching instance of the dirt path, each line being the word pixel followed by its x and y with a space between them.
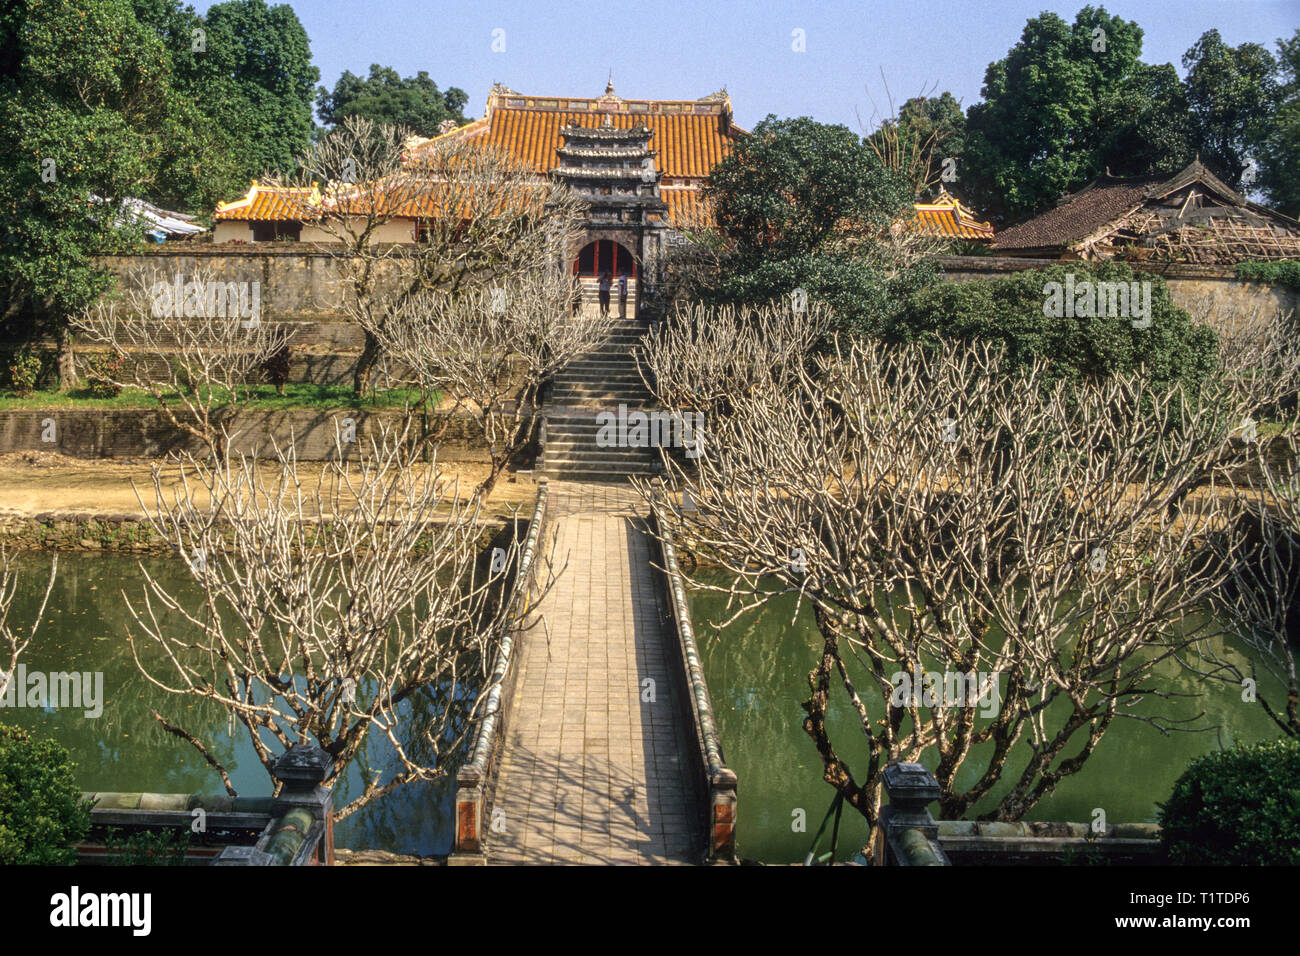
pixel 33 483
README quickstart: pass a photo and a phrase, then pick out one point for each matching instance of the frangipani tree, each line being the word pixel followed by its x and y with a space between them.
pixel 942 515
pixel 328 606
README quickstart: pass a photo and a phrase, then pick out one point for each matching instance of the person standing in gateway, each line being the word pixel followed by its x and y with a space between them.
pixel 622 296
pixel 605 283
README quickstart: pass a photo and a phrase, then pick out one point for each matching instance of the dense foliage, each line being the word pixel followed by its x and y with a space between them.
pixel 386 97
pixel 805 205
pixel 1236 807
pixel 1279 152
pixel 248 66
pixel 1071 100
pixel 1010 309
pixel 1285 272
pixel 42 813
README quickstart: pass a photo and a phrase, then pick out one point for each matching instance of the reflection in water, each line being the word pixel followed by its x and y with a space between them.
pixel 757 670
pixel 126 749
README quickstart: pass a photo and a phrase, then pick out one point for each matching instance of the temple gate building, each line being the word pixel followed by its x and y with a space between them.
pixel 640 164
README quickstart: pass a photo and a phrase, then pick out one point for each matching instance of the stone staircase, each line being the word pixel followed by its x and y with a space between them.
pixel 599 381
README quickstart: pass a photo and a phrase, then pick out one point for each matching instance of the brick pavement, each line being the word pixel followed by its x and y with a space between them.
pixel 591 772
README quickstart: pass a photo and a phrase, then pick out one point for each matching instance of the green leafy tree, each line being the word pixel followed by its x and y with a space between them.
pixel 1144 123
pixel 386 97
pixel 89 118
pixel 1034 135
pixel 1067 101
pixel 1279 151
pixel 806 205
pixel 1232 93
pixel 248 67
pixel 42 812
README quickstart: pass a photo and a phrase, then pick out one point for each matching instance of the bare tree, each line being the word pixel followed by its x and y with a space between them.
pixel 1030 546
pixel 14 640
pixel 1262 593
pixel 898 148
pixel 329 608
pixel 194 343
pixel 490 349
pixel 469 215
pixel 701 358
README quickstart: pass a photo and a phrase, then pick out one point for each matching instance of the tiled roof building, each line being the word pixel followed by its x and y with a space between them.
pixel 1192 216
pixel 686 138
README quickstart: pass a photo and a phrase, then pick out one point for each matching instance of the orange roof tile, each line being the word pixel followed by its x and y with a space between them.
pixel 689 136
pixel 687 206
pixel 947 218
pixel 278 203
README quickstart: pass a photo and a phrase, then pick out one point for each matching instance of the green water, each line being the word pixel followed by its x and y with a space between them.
pixel 757 671
pixel 126 749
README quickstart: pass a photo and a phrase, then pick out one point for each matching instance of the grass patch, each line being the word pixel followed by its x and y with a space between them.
pixel 263 397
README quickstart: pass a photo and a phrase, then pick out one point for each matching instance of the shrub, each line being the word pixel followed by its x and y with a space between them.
pixel 42 813
pixel 1236 807
pixel 276 368
pixel 101 373
pixel 1285 273
pixel 25 371
pixel 1010 309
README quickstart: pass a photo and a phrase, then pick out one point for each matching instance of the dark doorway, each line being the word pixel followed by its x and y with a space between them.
pixel 605 255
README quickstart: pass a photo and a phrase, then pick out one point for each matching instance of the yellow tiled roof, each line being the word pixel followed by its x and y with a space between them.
pixel 947 218
pixel 689 136
pixel 687 206
pixel 267 204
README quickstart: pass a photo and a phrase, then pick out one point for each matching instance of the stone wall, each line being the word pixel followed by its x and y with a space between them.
pixel 1207 292
pixel 146 433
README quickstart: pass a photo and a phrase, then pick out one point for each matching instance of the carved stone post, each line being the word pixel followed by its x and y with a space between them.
pixel 907 835
pixel 301 769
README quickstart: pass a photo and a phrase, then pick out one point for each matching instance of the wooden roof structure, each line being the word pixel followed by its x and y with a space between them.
pixel 1191 216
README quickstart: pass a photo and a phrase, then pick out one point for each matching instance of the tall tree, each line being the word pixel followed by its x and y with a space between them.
pixel 1232 93
pixel 90 117
pixel 248 66
pixel 1279 151
pixel 1144 124
pixel 1066 101
pixel 803 205
pixel 386 97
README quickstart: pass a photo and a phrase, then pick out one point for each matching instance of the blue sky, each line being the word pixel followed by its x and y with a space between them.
pixel 684 50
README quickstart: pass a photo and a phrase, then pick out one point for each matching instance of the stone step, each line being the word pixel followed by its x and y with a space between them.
pixel 628 392
pixel 580 472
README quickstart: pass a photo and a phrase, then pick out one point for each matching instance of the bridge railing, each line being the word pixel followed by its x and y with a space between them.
pixel 295 828
pixel 476 779
pixel 719 781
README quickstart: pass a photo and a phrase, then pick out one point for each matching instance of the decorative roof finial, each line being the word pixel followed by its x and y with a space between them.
pixel 609 86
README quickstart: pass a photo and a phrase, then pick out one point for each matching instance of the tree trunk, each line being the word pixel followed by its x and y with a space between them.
pixel 363 376
pixel 66 365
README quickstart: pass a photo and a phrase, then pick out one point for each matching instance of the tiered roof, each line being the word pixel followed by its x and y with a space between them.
pixel 687 137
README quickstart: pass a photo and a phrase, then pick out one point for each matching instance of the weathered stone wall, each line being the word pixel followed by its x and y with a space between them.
pixel 1208 293
pixel 146 433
